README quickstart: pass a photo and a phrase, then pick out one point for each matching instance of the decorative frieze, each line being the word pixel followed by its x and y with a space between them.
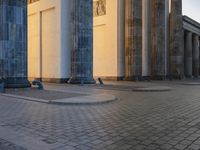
pixel 99 8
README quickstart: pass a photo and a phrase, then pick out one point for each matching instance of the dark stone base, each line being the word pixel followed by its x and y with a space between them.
pixel 55 80
pixel 118 78
pixel 134 78
pixel 51 80
pixel 189 76
pixel 145 78
pixel 158 77
pixel 76 80
pixel 175 77
pixel 16 83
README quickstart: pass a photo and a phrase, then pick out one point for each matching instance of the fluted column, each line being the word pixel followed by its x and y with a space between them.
pixel 133 51
pixel 82 52
pixel 188 54
pixel 146 65
pixel 158 39
pixel 195 55
pixel 176 51
pixel 13 43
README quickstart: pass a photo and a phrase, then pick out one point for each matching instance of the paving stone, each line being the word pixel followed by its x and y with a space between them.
pixel 6 145
pixel 160 120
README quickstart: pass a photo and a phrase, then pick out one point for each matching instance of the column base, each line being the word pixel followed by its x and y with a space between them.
pixel 16 83
pixel 81 80
pixel 158 77
pixel 133 78
pixel 179 77
pixel 189 76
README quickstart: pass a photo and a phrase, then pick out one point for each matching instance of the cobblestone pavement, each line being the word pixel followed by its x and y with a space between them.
pixel 6 145
pixel 140 120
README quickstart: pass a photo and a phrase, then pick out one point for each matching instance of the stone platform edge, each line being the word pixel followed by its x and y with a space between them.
pixel 79 100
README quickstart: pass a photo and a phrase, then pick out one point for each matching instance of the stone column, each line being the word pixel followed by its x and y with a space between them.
pixel 146 38
pixel 188 54
pixel 13 43
pixel 199 54
pixel 82 52
pixel 158 39
pixel 133 43
pixel 176 52
pixel 195 55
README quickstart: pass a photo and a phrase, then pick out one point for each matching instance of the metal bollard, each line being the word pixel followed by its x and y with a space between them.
pixel 38 84
pixel 100 81
pixel 82 82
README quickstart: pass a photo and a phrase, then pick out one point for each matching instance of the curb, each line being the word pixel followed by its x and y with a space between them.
pixel 82 100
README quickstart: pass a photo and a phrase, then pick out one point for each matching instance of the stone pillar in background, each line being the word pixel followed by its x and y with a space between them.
pixel 13 43
pixel 188 54
pixel 82 52
pixel 199 54
pixel 133 40
pixel 158 39
pixel 176 51
pixel 195 56
pixel 146 65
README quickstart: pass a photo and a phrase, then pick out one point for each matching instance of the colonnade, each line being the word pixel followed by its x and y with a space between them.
pixel 180 61
pixel 146 39
pixel 191 54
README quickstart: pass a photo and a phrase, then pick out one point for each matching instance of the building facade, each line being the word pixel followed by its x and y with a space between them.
pixel 132 40
pixel 79 40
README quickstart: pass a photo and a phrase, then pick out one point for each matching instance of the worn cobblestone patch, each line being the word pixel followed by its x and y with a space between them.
pixel 6 145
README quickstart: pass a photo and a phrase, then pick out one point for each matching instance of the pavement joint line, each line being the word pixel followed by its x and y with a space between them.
pixel 26 98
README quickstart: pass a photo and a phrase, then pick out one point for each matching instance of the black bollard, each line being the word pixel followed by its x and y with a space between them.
pixel 100 81
pixel 38 84
pixel 2 87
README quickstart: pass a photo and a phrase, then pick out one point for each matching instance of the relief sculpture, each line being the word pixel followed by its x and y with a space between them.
pixel 99 8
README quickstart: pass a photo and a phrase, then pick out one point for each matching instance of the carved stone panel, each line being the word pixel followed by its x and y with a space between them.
pixel 99 8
